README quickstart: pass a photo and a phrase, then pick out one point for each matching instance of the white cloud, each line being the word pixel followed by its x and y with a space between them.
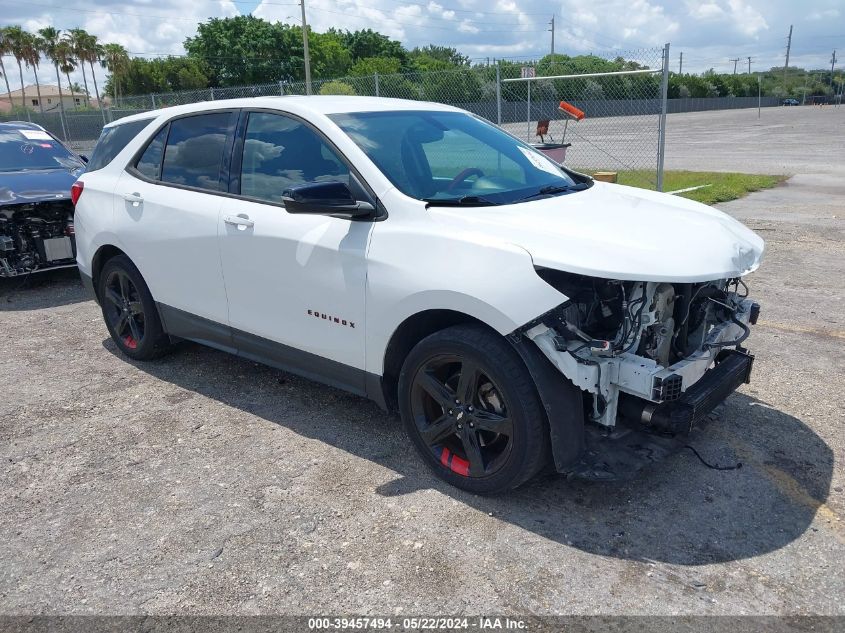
pixel 747 19
pixel 705 10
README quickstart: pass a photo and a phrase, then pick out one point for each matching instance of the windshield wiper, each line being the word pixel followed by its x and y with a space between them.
pixel 465 201
pixel 551 190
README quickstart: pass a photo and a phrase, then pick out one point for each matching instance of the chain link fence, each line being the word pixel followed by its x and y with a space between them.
pixel 619 132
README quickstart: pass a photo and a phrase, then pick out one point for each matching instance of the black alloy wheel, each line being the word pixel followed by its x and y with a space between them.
pixel 471 409
pixel 129 310
pixel 462 416
pixel 123 308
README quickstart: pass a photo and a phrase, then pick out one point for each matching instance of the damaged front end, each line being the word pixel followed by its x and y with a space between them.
pixel 648 357
pixel 36 236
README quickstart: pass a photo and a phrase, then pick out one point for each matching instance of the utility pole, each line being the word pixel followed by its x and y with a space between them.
pixel 832 64
pixel 788 46
pixel 749 65
pixel 681 64
pixel 305 49
pixel 734 60
pixel 552 29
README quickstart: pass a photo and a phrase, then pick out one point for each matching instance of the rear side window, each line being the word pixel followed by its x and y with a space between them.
pixel 195 148
pixel 149 164
pixel 112 141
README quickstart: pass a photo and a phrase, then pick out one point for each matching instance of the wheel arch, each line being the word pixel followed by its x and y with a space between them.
pixel 410 332
pixel 104 253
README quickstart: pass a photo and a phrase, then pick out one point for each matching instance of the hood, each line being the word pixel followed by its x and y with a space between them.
pixel 20 187
pixel 618 232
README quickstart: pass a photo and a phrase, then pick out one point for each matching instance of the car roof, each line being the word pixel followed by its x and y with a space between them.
pixel 320 104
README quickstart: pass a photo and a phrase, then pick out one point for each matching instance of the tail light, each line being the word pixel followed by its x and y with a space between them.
pixel 76 191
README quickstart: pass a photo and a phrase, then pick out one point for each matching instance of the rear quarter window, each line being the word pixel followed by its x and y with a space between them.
pixel 112 141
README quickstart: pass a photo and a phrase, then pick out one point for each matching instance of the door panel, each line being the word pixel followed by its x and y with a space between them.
pixel 296 281
pixel 171 235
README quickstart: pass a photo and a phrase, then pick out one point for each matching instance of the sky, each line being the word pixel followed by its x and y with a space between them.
pixel 709 32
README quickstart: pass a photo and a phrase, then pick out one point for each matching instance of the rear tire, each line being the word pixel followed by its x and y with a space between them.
pixel 471 409
pixel 129 311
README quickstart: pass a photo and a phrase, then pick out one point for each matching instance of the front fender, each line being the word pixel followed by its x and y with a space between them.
pixel 416 267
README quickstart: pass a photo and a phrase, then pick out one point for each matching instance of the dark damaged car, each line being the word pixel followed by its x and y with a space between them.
pixel 36 210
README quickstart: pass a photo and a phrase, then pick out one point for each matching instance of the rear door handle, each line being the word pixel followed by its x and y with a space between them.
pixel 134 198
pixel 240 221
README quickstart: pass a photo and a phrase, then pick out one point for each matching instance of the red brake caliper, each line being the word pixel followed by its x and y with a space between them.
pixel 454 463
pixel 130 342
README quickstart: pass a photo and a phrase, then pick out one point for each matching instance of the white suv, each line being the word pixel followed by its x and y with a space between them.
pixel 516 313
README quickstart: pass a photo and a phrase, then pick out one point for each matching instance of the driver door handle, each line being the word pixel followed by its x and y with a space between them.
pixel 241 221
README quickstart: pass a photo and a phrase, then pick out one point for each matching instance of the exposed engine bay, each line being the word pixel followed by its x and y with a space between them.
pixel 36 236
pixel 629 345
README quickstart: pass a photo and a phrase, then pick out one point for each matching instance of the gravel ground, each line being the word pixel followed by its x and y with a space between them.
pixel 205 484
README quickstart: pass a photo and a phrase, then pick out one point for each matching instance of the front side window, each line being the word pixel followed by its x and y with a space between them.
pixel 195 148
pixel 452 157
pixel 280 152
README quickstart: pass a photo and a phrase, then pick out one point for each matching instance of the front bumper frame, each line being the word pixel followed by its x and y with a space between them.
pixel 611 376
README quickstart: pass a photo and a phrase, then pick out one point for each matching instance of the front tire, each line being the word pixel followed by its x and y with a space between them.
pixel 471 409
pixel 129 311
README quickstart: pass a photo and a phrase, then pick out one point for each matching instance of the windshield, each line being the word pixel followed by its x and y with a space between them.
pixel 452 157
pixel 22 150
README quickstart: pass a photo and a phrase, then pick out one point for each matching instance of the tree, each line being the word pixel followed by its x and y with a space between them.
pixel 337 88
pixel 67 64
pixel 115 59
pixel 373 65
pixel 368 43
pixel 50 38
pixel 94 53
pixel 168 74
pixel 82 44
pixel 18 42
pixel 445 54
pixel 248 50
pixel 5 50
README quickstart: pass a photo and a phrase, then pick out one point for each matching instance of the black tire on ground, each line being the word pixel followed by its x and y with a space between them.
pixel 471 408
pixel 129 311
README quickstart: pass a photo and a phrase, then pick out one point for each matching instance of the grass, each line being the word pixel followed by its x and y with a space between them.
pixel 724 186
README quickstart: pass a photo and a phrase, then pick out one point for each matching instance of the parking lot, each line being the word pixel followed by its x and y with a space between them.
pixel 206 484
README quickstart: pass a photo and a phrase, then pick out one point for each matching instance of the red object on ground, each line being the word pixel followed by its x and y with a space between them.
pixel 571 110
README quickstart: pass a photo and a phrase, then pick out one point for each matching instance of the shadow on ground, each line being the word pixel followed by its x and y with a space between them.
pixel 677 511
pixel 45 289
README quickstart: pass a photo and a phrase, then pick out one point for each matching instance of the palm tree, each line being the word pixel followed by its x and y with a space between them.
pixel 115 60
pixel 81 42
pixel 32 59
pixel 67 64
pixel 16 38
pixel 95 55
pixel 50 40
pixel 5 50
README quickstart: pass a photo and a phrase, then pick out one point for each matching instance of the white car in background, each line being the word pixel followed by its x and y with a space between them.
pixel 518 314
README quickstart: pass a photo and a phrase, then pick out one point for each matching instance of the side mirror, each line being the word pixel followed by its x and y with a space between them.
pixel 325 198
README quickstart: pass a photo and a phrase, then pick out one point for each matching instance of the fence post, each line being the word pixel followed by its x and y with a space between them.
pixel 281 88
pixel 375 76
pixel 153 100
pixel 498 94
pixel 211 92
pixel 661 137
pixel 528 133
